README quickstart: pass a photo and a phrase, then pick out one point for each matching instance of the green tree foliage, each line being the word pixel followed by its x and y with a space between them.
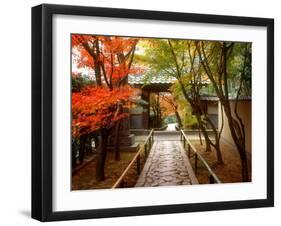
pixel 155 106
pixel 188 119
pixel 178 58
pixel 79 81
pixel 226 62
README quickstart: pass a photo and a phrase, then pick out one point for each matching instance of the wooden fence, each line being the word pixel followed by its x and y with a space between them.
pixel 136 160
pixel 186 142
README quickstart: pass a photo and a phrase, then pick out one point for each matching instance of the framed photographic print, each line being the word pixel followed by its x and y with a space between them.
pixel 146 112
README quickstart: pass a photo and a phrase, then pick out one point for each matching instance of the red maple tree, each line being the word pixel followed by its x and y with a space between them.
pixel 96 107
pixel 100 106
pixel 110 58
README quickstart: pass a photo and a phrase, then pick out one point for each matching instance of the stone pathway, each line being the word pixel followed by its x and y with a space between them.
pixel 167 164
pixel 171 127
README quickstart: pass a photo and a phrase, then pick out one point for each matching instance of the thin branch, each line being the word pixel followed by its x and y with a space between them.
pixel 129 64
pixel 222 121
pixel 208 72
pixel 105 77
pixel 175 58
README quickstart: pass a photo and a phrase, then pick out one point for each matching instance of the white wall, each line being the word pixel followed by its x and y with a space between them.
pixel 15 112
pixel 244 111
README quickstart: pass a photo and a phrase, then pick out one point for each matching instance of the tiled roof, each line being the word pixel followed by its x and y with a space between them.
pixel 159 79
pixel 141 79
pixel 209 98
pixel 214 98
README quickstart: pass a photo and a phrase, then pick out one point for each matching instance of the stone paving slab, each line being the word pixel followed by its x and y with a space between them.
pixel 167 164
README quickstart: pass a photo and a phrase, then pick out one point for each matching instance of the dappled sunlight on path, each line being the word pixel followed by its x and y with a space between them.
pixel 171 127
pixel 167 164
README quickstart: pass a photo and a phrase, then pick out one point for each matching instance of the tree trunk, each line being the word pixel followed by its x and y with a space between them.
pixel 101 154
pixel 82 148
pixel 98 75
pixel 205 134
pixel 116 141
pixel 178 119
pixel 116 135
pixel 200 137
pixel 97 64
pixel 217 140
pixel 74 151
pixel 244 167
pixel 239 142
pixel 218 153
pixel 207 142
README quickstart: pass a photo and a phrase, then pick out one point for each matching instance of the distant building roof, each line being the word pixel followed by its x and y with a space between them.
pixel 214 98
pixel 161 83
pixel 141 79
pixel 241 98
pixel 209 98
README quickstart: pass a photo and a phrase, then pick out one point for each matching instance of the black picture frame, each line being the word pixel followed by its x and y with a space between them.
pixel 42 111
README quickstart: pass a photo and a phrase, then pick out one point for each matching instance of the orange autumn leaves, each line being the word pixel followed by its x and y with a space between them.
pixel 110 58
pixel 113 55
pixel 96 107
